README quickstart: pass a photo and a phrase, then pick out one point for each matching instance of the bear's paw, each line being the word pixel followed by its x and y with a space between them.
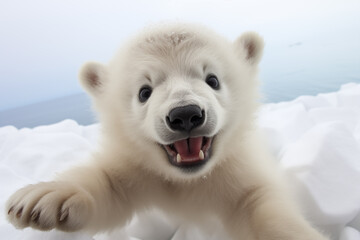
pixel 49 205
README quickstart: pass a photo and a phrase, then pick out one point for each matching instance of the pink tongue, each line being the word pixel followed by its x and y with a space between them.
pixel 189 148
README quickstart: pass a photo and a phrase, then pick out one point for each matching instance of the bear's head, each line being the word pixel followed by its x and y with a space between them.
pixel 177 99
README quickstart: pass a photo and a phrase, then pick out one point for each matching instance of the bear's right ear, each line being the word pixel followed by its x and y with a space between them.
pixel 92 77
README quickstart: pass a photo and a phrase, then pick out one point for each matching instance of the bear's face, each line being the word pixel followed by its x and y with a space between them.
pixel 175 96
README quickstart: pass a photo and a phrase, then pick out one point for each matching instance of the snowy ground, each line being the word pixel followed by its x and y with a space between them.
pixel 316 138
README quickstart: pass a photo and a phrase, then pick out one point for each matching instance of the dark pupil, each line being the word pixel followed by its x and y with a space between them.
pixel 213 82
pixel 144 94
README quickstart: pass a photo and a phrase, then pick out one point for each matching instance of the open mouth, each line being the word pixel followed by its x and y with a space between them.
pixel 189 153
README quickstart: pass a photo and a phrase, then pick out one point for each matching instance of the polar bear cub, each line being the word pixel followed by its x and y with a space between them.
pixel 177 107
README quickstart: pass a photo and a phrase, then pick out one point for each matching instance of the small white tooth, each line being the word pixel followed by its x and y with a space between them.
pixel 201 155
pixel 178 158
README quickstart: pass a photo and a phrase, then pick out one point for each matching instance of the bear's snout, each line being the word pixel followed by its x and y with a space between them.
pixel 185 118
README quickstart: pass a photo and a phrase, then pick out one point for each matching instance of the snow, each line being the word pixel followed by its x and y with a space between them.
pixel 316 139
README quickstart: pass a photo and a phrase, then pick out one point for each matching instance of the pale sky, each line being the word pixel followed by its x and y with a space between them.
pixel 43 43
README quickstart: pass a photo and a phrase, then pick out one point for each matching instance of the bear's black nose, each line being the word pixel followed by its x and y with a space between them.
pixel 185 118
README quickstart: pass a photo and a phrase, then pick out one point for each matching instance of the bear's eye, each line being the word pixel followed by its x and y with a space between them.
pixel 144 93
pixel 212 81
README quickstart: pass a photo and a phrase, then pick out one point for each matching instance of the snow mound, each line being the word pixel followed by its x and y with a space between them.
pixel 315 138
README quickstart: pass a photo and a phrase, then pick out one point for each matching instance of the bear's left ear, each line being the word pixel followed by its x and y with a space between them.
pixel 249 46
pixel 92 77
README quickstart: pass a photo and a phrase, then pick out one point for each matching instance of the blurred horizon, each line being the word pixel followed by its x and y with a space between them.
pixel 311 46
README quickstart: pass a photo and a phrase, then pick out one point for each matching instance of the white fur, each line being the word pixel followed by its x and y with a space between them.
pixel 240 184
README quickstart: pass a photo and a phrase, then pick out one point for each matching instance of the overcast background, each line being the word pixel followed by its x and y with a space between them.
pixel 312 46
